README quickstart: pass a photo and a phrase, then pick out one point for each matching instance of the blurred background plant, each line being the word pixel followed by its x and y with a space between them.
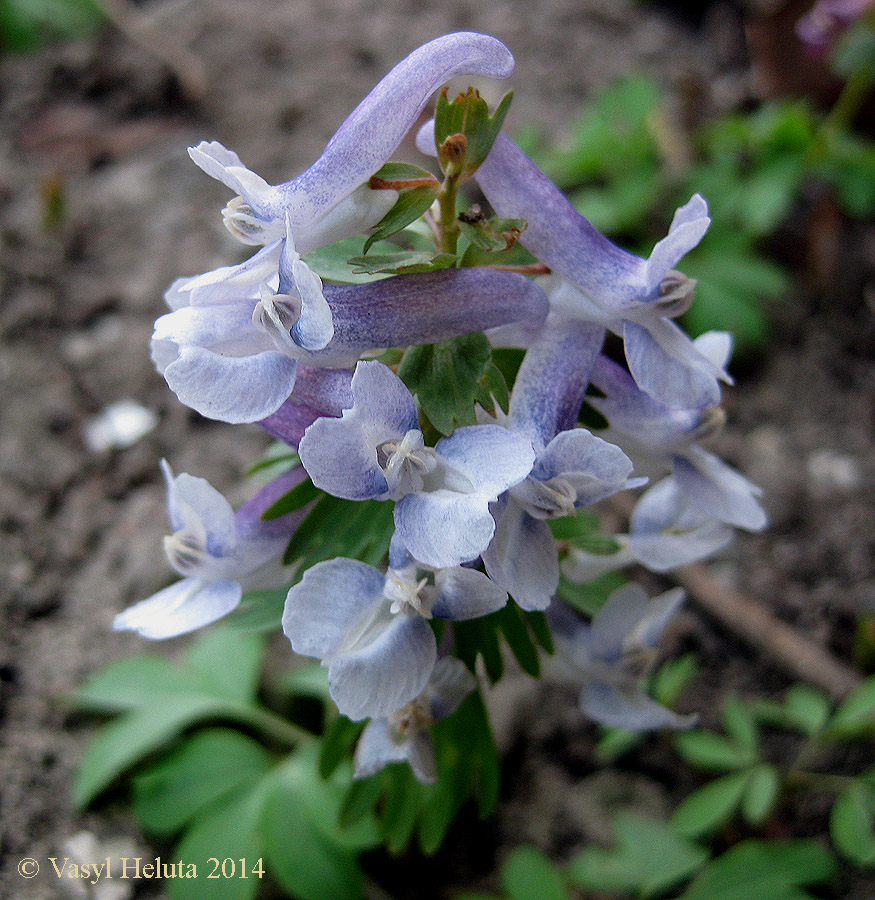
pixel 624 161
pixel 25 24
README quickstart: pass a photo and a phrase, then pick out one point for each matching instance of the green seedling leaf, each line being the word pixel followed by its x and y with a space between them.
pixel 614 744
pixel 448 378
pixel 537 621
pixel 479 637
pixel 25 24
pixel 331 263
pixel 765 870
pixel 137 735
pixel 740 724
pixel 712 805
pixel 228 830
pixel 403 805
pixel 768 193
pixel 133 682
pixel 854 52
pixel 589 598
pixel 761 794
pixel 467 115
pixel 712 752
pixel 336 527
pixel 321 799
pixel 529 875
pixel 649 858
pixel 855 716
pixel 278 459
pixel 402 262
pixel 672 677
pixel 307 680
pixel 852 824
pixel 513 626
pixel 259 611
pixel 297 498
pixel 618 134
pixel 361 798
pixel 210 765
pixel 229 661
pixel 807 708
pixel 339 737
pixel 417 189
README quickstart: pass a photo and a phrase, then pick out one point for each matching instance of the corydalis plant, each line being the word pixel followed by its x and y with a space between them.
pixel 433 489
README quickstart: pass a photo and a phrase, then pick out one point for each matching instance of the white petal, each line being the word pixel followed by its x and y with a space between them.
pixel 634 710
pixel 465 594
pixel 444 528
pixel 231 389
pixel 325 607
pixel 718 491
pixel 180 608
pixel 194 504
pixel 522 557
pixel 491 457
pixel 387 672
pixel 666 364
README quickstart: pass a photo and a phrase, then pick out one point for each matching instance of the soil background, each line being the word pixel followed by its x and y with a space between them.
pixel 99 129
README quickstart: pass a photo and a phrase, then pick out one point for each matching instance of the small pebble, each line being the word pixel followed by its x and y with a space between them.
pixel 119 426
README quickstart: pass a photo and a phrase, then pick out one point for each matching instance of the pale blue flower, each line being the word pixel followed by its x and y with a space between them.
pixel 371 630
pixel 218 552
pixel 660 438
pixel 665 532
pixel 228 348
pixel 331 199
pixel 376 451
pixel 601 283
pixel 404 735
pixel 609 657
pixel 572 468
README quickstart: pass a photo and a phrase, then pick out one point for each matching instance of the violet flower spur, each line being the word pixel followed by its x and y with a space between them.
pixel 404 735
pixel 227 348
pixel 609 657
pixel 572 468
pixel 371 630
pixel 661 439
pixel 218 552
pixel 377 451
pixel 331 200
pixel 631 296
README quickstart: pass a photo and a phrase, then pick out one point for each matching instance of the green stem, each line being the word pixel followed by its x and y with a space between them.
pixel 447 202
pixel 818 780
pixel 850 101
pixel 277 728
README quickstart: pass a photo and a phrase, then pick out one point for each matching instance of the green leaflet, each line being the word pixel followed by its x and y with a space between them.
pixel 448 378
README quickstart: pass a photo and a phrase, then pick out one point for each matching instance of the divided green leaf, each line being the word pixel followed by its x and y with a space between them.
pixel 448 378
pixel 649 858
pixel 529 875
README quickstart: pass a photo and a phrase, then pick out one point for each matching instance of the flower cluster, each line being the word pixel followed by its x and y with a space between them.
pixel 267 341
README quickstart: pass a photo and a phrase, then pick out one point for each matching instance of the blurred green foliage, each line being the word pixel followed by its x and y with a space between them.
pixel 25 24
pixel 623 165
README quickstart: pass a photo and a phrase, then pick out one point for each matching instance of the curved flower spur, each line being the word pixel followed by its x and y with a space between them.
pixel 273 308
